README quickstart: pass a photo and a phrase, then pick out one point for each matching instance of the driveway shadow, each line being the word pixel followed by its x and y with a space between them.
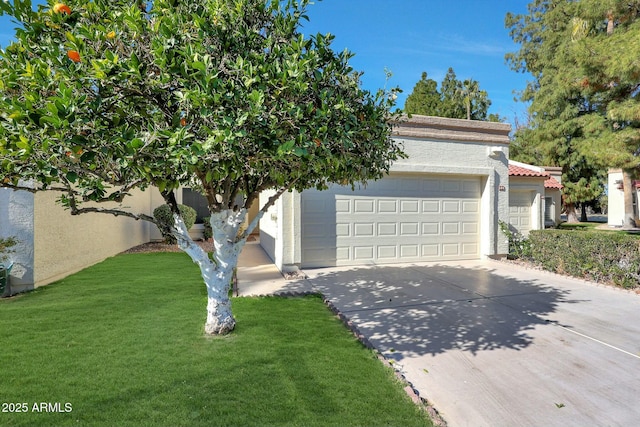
pixel 429 309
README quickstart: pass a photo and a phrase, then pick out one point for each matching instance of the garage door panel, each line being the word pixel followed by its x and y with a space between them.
pixel 469 249
pixel 342 230
pixel 343 205
pixel 520 210
pixel 387 206
pixel 471 228
pixel 409 229
pixel 363 230
pixel 387 229
pixel 450 206
pixel 470 207
pixel 430 228
pixel 363 206
pixel 408 251
pixel 394 220
pixel 387 252
pixel 430 206
pixel 409 206
pixel 363 253
pixel 430 250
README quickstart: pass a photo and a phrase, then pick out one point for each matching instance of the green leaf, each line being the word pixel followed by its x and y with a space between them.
pixel 23 143
pixel 135 62
pixel 286 147
pixel 70 37
pixel 72 177
pixel 52 120
pixel 300 152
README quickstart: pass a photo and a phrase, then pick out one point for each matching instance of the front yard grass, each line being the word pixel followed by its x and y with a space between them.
pixel 122 343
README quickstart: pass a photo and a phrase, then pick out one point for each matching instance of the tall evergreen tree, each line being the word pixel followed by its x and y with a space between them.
pixel 456 99
pixel 425 98
pixel 585 103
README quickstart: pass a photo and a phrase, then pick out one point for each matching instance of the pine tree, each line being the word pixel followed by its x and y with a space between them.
pixel 456 99
pixel 425 98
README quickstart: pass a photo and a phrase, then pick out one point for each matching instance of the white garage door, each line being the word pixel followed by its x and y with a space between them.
pixel 520 211
pixel 396 219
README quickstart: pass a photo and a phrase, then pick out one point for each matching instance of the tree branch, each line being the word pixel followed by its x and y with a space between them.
pixel 114 212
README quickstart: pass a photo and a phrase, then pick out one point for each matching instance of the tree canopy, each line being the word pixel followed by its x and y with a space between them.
pixel 102 97
pixel 584 98
pixel 456 99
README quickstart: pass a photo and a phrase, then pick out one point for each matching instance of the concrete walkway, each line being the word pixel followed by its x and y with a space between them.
pixel 491 343
pixel 257 275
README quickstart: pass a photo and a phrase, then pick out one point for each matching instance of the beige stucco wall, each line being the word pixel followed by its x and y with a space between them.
pixel 64 244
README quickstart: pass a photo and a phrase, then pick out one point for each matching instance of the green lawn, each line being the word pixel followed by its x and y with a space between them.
pixel 122 343
pixel 579 225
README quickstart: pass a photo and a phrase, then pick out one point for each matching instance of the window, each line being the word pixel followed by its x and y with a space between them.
pixel 198 202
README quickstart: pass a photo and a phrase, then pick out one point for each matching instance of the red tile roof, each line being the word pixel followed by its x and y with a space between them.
pixel 551 182
pixel 520 171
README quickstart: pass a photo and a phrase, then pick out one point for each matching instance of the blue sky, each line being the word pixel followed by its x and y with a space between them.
pixel 408 37
pixel 411 36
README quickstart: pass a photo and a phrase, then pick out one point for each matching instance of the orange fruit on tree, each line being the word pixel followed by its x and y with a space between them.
pixel 61 8
pixel 111 34
pixel 183 122
pixel 73 55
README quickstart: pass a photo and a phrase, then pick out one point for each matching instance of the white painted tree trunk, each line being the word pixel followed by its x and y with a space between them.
pixel 217 273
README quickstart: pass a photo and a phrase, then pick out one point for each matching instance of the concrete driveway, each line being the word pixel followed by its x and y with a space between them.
pixel 491 344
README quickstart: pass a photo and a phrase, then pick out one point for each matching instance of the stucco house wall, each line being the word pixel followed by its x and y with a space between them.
pixel 615 193
pixel 538 190
pixel 54 244
pixel 64 243
pixel 435 146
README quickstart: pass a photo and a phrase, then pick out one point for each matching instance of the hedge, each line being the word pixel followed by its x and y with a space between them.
pixel 164 217
pixel 598 256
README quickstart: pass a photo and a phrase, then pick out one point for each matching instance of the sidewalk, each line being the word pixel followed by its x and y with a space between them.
pixel 257 275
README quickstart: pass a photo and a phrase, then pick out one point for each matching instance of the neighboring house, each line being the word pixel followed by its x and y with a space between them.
pixel 443 202
pixel 615 197
pixel 535 199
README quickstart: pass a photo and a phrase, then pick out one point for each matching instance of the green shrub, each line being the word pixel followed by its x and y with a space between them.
pixel 519 246
pixel 163 215
pixel 208 231
pixel 594 255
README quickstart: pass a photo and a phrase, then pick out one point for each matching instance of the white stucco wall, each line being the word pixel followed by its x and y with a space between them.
pixel 615 210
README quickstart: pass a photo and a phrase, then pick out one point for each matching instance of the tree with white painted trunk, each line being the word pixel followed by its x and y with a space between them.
pixel 103 97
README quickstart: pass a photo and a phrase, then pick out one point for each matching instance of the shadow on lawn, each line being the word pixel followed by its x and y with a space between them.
pixel 429 309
